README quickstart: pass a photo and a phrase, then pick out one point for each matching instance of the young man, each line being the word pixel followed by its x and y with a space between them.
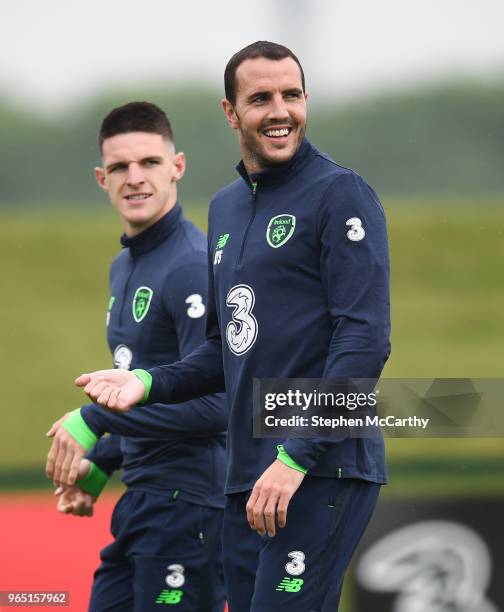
pixel 167 526
pixel 312 302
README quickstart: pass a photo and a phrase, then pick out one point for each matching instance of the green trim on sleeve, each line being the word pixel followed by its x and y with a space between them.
pixel 146 378
pixel 79 430
pixel 284 457
pixel 95 480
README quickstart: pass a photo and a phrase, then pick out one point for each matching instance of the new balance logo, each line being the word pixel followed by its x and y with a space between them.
pixel 222 241
pixel 170 596
pixel 290 585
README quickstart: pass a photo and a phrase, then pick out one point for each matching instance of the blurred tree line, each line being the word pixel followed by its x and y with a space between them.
pixel 445 139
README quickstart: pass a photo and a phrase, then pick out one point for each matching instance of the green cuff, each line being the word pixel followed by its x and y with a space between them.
pixel 79 430
pixel 288 460
pixel 95 480
pixel 146 378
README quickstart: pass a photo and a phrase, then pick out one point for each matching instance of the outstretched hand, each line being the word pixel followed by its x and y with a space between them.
pixel 270 497
pixel 118 390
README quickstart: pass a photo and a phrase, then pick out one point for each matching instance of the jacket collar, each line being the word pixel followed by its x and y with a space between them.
pixel 277 174
pixel 155 234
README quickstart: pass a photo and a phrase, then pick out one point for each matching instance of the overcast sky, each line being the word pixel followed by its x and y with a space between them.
pixel 56 51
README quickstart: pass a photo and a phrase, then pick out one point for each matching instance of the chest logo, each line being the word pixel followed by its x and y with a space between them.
pixel 280 229
pixel 141 303
pixel 221 243
pixel 241 331
pixel 122 357
pixel 356 232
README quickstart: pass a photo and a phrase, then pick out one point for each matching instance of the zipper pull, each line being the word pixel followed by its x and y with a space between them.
pixel 254 188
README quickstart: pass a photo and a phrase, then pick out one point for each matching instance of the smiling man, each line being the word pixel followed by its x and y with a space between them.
pixel 299 288
pixel 167 526
pixel 267 108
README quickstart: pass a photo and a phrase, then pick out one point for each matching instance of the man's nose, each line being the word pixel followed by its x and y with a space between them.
pixel 135 175
pixel 278 108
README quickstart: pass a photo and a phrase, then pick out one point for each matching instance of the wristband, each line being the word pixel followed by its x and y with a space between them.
pixel 79 430
pixel 145 378
pixel 94 481
pixel 284 457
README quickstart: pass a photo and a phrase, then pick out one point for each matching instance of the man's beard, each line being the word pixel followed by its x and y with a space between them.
pixel 254 152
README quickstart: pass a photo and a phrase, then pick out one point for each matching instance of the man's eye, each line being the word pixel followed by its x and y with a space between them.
pixel 152 162
pixel 116 169
pixel 258 99
pixel 292 95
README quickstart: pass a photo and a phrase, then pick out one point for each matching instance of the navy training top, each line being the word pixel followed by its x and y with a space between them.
pixel 313 305
pixel 157 308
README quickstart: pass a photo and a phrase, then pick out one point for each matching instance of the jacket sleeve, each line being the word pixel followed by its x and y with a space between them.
pixel 202 417
pixel 106 454
pixel 201 371
pixel 185 300
pixel 354 268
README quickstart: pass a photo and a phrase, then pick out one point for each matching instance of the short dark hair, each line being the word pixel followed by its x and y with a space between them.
pixel 261 48
pixel 135 117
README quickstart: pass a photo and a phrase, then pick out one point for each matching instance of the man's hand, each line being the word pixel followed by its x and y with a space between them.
pixel 270 497
pixel 118 390
pixel 73 500
pixel 65 455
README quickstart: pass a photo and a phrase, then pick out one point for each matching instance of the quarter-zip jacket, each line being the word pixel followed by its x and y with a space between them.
pixel 158 287
pixel 311 306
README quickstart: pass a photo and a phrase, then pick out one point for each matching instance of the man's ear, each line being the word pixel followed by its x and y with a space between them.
pixel 179 166
pixel 101 178
pixel 229 111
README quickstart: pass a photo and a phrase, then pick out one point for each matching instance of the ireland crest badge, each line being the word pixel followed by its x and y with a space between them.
pixel 141 303
pixel 280 229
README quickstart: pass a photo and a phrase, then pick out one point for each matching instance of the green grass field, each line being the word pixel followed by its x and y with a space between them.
pixel 447 312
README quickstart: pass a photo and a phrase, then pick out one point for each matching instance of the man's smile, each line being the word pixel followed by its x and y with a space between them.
pixel 277 132
pixel 137 196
